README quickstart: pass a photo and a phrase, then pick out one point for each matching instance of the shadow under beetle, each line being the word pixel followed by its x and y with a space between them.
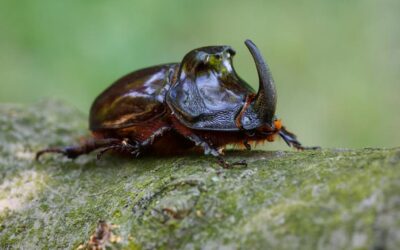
pixel 200 103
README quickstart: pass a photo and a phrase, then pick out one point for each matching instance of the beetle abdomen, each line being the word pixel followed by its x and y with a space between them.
pixel 135 98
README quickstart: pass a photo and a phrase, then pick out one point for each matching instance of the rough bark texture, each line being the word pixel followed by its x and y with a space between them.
pixel 328 199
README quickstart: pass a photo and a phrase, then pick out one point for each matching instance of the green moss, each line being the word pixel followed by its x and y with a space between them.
pixel 337 199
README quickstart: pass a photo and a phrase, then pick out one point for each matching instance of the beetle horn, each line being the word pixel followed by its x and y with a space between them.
pixel 264 103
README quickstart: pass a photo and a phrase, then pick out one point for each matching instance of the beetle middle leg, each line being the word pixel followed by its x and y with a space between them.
pixel 209 149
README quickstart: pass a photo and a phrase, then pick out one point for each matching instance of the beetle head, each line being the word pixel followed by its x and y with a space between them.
pixel 206 59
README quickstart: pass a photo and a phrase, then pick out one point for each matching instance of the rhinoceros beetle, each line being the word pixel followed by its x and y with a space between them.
pixel 200 103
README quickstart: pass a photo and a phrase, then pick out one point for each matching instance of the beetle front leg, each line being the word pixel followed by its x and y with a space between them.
pixel 291 140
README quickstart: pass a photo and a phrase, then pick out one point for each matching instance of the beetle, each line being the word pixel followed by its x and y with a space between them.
pixel 200 103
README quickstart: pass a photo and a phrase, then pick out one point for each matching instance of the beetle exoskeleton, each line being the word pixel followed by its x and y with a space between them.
pixel 200 103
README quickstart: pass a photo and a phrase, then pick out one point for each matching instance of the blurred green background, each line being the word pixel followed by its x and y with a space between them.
pixel 336 63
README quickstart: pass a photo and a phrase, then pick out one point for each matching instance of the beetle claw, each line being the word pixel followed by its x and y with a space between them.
pixel 225 164
pixel 49 150
pixel 308 148
pixel 136 153
pixel 69 152
pixel 247 145
pixel 101 153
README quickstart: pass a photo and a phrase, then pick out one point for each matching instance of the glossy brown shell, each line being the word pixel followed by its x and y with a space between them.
pixel 203 92
pixel 132 100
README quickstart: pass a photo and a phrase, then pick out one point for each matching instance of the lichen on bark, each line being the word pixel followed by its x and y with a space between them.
pixel 327 199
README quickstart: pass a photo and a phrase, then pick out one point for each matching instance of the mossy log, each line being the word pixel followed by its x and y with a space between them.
pixel 325 199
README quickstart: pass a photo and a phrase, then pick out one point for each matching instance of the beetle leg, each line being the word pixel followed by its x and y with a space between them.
pixel 209 149
pixel 136 147
pixel 157 133
pixel 291 140
pixel 247 145
pixel 123 146
pixel 126 145
pixel 84 148
pixel 92 144
pixel 101 153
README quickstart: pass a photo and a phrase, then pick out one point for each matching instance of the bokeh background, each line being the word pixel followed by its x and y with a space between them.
pixel 336 63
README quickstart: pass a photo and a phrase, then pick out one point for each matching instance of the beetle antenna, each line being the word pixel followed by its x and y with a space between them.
pixel 265 102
